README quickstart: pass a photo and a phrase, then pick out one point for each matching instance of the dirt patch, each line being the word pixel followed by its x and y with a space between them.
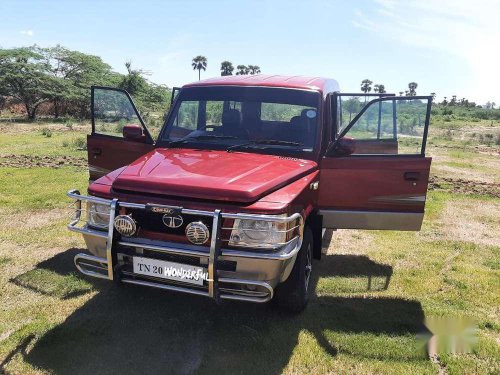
pixel 347 241
pixel 29 161
pixel 35 219
pixel 471 221
pixel 23 128
pixel 459 185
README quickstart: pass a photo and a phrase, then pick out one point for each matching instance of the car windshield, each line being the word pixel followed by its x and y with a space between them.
pixel 244 117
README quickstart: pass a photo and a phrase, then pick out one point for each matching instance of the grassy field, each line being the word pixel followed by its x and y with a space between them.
pixel 52 320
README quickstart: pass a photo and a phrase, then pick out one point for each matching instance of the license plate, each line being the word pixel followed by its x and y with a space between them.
pixel 170 270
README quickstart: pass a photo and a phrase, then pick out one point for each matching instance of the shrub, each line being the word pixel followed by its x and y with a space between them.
pixel 65 144
pixel 80 143
pixel 47 132
pixel 448 135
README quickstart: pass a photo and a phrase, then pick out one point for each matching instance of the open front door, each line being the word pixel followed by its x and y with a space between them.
pixel 375 173
pixel 119 135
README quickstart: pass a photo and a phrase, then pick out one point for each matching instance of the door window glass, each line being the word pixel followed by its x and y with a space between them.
pixel 390 126
pixel 112 111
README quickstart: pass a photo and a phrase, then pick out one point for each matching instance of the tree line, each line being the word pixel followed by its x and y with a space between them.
pixel 366 87
pixel 226 67
pixel 32 76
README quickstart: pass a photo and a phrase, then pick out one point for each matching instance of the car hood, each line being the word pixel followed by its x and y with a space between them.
pixel 210 174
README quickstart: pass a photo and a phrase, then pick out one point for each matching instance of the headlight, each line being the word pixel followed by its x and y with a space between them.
pixel 258 233
pixel 98 215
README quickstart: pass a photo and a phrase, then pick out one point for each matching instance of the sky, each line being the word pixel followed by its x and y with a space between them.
pixel 450 47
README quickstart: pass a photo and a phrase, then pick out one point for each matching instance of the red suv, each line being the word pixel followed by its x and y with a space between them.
pixel 231 199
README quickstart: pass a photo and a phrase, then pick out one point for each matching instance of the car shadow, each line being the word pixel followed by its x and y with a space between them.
pixel 57 277
pixel 129 329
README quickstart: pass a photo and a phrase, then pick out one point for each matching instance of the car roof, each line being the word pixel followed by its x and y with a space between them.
pixel 324 85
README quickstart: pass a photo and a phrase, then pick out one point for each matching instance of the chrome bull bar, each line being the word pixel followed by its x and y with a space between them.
pixel 217 286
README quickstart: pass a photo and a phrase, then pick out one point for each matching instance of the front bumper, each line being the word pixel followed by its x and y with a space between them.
pixel 252 278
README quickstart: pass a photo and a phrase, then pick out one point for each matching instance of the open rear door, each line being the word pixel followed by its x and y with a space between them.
pixel 119 135
pixel 375 172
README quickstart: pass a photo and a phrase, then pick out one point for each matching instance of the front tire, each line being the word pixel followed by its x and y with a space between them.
pixel 293 294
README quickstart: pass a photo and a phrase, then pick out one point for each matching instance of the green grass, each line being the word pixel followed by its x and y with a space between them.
pixel 36 188
pixel 53 320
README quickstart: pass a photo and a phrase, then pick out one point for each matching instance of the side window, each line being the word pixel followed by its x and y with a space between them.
pixel 187 116
pixel 112 110
pixel 214 113
pixel 395 126
pixel 281 112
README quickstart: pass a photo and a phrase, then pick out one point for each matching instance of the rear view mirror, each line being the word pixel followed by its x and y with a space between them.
pixel 345 147
pixel 133 132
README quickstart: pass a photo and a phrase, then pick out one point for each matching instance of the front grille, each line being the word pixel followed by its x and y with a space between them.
pixel 152 221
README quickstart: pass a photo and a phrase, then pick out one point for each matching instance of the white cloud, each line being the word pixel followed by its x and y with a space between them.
pixel 27 32
pixel 464 29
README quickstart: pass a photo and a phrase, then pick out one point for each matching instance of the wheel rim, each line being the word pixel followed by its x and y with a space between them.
pixel 308 268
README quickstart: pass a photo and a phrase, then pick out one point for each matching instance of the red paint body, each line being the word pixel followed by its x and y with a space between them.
pixel 258 183
pixel 209 174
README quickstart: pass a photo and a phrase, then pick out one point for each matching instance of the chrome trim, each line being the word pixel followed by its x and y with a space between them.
pixel 214 255
pixel 246 282
pixel 85 230
pixel 164 249
pixel 186 211
pixel 286 251
pixel 102 264
pixel 230 294
pixel 166 287
pixel 109 241
pixel 75 194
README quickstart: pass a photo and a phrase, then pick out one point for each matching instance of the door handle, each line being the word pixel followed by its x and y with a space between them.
pixel 412 176
pixel 96 151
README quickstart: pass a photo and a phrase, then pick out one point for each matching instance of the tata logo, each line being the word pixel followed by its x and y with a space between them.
pixel 172 221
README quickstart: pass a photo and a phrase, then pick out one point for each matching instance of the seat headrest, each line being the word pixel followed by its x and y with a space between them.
pixel 296 121
pixel 231 118
pixel 303 113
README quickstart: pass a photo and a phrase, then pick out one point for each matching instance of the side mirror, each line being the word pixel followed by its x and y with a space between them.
pixel 133 132
pixel 345 147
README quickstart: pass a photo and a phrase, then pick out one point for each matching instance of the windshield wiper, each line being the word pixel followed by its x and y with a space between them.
pixel 200 137
pixel 273 142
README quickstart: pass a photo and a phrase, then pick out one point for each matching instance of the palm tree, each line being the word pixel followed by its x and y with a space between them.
pixel 226 68
pixel 379 88
pixel 253 69
pixel 412 86
pixel 366 85
pixel 433 94
pixel 401 93
pixel 199 63
pixel 242 70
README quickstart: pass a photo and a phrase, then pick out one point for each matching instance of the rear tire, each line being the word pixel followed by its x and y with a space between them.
pixel 293 294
